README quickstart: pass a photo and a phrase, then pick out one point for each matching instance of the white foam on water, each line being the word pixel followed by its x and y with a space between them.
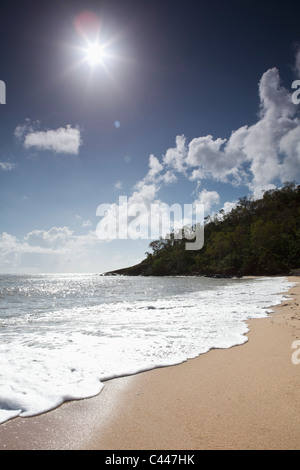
pixel 51 356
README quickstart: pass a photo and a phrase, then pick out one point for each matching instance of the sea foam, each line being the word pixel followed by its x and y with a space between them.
pixel 61 347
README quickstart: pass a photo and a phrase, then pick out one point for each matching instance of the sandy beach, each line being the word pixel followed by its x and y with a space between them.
pixel 246 397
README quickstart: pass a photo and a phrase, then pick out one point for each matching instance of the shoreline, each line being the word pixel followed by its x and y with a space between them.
pixel 244 397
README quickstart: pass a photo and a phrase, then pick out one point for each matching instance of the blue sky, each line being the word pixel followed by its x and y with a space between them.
pixel 191 101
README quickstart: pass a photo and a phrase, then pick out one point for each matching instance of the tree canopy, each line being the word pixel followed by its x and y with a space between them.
pixel 258 237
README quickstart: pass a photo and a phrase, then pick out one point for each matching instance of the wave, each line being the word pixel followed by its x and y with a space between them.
pixel 53 355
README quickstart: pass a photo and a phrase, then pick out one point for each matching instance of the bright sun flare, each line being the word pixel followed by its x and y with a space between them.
pixel 94 54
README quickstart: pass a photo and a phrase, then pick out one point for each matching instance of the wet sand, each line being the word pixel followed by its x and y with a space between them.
pixel 246 397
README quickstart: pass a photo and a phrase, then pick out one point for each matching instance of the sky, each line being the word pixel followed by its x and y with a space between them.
pixel 154 101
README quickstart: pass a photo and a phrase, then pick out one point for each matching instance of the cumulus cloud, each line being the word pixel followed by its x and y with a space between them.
pixel 56 238
pixel 253 154
pixel 28 127
pixel 259 156
pixel 62 140
pixel 176 157
pixel 158 174
pixel 57 248
pixel 155 166
pixel 209 160
pixel 229 206
pixel 290 147
pixel 208 199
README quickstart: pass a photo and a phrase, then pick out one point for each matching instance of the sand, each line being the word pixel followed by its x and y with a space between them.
pixel 246 397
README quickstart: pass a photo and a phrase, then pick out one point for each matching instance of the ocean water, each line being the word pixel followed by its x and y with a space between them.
pixel 63 335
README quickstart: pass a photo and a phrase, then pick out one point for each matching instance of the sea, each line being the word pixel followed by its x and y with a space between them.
pixel 63 335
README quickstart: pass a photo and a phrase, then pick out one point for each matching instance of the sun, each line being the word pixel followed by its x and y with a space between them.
pixel 94 54
pixel 96 50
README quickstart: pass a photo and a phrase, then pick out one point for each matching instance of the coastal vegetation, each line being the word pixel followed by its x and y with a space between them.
pixel 258 237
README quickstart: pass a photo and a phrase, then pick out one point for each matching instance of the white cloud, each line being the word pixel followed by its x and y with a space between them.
pixel 259 190
pixel 229 206
pixel 62 140
pixel 169 177
pixel 155 166
pixel 57 249
pixel 8 251
pixel 7 242
pixel 144 193
pixel 258 155
pixel 290 147
pixel 86 223
pixel 118 184
pixel 204 149
pixel 7 166
pixel 176 157
pixel 129 217
pixel 262 144
pixel 275 99
pixel 206 155
pixel 53 239
pixel 26 128
pixel 158 173
pixel 254 155
pixel 208 199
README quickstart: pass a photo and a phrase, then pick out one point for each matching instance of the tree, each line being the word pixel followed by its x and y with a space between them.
pixel 256 237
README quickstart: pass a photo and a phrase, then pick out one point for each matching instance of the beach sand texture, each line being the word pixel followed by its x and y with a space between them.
pixel 246 397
